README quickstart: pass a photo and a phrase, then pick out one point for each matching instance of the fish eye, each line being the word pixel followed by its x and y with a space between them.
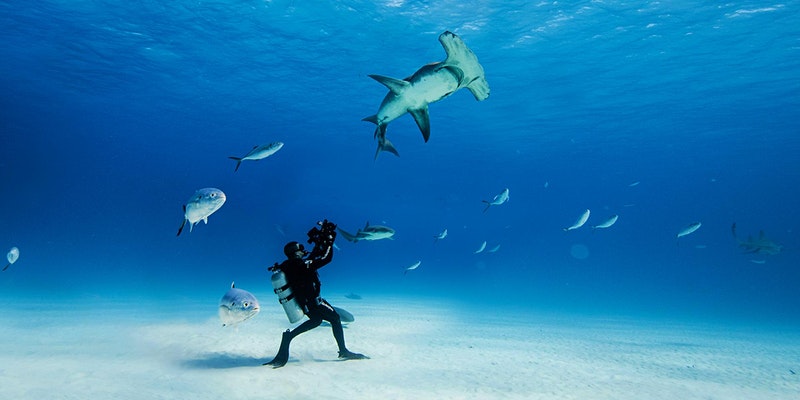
pixel 246 304
pixel 213 195
pixel 233 303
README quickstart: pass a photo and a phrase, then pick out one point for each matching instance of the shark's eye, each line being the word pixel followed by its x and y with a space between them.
pixel 213 195
pixel 233 303
pixel 246 304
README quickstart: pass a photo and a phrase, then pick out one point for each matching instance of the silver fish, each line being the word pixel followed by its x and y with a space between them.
pixel 12 256
pixel 412 267
pixel 497 200
pixel 494 249
pixel 440 236
pixel 689 229
pixel 200 206
pixel 237 305
pixel 258 153
pixel 581 220
pixel 607 223
pixel 481 248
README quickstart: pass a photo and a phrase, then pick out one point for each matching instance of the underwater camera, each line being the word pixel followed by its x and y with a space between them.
pixel 322 234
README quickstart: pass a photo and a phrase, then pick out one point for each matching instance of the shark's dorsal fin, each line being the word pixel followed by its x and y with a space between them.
pixel 396 86
pixel 232 284
pixel 423 121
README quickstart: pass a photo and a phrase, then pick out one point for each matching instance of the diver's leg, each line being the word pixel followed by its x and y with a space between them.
pixel 327 313
pixel 282 357
pixel 283 352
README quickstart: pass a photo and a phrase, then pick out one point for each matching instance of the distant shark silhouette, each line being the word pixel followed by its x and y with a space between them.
pixel 431 83
pixel 760 245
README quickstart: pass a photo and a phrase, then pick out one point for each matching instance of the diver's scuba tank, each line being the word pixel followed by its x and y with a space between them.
pixel 285 296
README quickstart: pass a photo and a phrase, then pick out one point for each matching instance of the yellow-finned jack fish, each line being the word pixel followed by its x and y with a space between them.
pixel 203 203
pixel 237 306
pixel 258 153
pixel 579 223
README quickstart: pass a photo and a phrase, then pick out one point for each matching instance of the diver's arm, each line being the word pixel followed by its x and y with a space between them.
pixel 321 255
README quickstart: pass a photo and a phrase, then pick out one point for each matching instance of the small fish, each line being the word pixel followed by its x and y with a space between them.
pixel 480 249
pixel 353 296
pixel 258 153
pixel 689 229
pixel 440 236
pixel 412 267
pixel 12 256
pixel 236 306
pixel 497 200
pixel 579 223
pixel 546 184
pixel 607 223
pixel 200 206
pixel 280 230
pixel 494 249
pixel 758 261
pixel 634 184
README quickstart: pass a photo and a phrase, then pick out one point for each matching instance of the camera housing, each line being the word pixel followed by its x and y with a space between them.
pixel 323 234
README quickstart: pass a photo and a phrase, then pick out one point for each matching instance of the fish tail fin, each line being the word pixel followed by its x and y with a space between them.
pixel 488 204
pixel 6 267
pixel 181 228
pixel 347 235
pixel 238 162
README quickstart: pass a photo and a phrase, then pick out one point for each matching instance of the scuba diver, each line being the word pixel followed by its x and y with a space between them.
pixel 302 282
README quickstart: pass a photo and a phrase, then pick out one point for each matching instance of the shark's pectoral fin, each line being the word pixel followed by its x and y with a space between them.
pixel 371 118
pixel 181 228
pixel 423 121
pixel 396 86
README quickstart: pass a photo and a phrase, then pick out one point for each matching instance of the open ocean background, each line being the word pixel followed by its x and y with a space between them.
pixel 113 113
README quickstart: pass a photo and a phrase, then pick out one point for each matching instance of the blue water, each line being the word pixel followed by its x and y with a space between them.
pixel 113 113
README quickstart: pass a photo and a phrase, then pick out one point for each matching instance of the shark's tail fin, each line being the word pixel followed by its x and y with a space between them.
pixel 181 228
pixel 238 162
pixel 488 204
pixel 386 145
pixel 348 236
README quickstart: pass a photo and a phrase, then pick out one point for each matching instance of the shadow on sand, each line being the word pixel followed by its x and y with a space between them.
pixel 223 361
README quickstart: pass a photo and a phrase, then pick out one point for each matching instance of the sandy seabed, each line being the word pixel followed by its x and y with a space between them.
pixel 418 350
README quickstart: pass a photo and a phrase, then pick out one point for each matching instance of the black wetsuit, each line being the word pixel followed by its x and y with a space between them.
pixel 302 276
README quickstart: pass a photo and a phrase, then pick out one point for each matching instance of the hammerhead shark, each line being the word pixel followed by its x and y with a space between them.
pixel 760 245
pixel 431 83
